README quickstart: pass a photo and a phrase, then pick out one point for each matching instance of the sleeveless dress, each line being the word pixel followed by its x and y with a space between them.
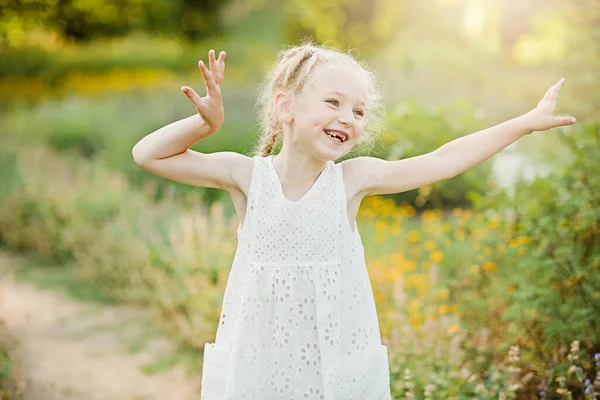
pixel 298 319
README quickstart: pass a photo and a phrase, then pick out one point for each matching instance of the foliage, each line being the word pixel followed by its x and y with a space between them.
pixel 364 24
pixel 11 369
pixel 555 286
pixel 85 20
pixel 415 129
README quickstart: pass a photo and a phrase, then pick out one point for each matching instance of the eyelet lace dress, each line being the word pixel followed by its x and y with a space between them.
pixel 298 319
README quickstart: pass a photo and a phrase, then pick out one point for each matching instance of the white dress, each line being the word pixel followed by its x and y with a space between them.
pixel 298 319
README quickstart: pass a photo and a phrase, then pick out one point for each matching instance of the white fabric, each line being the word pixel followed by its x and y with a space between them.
pixel 298 319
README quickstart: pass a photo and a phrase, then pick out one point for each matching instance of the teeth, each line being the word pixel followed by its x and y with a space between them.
pixel 334 135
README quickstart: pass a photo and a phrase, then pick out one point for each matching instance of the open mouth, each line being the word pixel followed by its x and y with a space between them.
pixel 336 137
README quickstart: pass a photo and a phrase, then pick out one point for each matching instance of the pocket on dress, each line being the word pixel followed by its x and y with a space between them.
pixel 381 369
pixel 367 378
pixel 214 372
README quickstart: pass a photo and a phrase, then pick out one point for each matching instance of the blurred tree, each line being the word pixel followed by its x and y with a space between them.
pixel 89 19
pixel 348 23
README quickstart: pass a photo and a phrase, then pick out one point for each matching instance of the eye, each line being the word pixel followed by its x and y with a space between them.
pixel 332 101
pixel 362 114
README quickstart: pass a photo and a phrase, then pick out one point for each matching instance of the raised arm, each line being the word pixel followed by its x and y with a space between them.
pixel 166 152
pixel 376 176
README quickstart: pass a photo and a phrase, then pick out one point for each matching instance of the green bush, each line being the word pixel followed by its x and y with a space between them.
pixel 555 285
pixel 414 130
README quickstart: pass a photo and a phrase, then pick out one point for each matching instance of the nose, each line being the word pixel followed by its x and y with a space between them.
pixel 347 118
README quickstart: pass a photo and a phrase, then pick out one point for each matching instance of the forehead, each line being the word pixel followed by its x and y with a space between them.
pixel 335 77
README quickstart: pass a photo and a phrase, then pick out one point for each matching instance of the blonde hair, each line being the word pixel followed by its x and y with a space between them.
pixel 291 73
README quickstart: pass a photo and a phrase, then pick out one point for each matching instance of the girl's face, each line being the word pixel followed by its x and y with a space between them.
pixel 333 100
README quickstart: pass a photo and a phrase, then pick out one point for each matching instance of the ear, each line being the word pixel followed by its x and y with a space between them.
pixel 283 108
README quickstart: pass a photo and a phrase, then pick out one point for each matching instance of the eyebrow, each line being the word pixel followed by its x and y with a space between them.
pixel 343 95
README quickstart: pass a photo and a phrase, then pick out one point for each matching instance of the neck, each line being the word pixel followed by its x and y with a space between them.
pixel 297 167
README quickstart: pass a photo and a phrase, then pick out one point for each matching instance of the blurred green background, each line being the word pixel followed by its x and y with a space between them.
pixel 505 254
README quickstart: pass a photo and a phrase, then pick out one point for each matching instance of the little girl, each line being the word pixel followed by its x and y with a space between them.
pixel 298 319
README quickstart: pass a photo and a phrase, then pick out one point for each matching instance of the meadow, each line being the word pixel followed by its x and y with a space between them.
pixel 483 290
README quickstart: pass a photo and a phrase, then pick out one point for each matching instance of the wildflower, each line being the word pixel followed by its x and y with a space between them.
pixel 489 266
pixel 437 256
pixel 443 294
pixel 413 236
pixel 493 223
pixel 453 328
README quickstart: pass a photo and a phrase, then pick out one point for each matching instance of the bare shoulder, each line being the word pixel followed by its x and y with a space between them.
pixel 356 176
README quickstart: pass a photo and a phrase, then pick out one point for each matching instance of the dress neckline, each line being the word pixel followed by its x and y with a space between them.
pixel 280 187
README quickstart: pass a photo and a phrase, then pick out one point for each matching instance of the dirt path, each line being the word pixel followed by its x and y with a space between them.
pixel 76 350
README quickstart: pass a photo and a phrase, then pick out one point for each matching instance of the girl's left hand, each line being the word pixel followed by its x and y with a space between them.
pixel 541 118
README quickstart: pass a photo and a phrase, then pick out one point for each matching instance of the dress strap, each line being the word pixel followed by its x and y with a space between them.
pixel 258 167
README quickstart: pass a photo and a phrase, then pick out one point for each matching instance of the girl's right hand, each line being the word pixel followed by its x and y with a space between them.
pixel 210 107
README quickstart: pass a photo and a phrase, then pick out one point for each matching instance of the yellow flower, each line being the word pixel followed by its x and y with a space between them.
pixel 457 212
pixel 408 266
pixel 467 213
pixel 525 240
pixel 487 251
pixel 436 256
pixel 453 308
pixel 429 215
pixel 493 223
pixel 408 210
pixel 453 328
pixel 416 320
pixel 379 298
pixel 443 294
pixel 447 226
pixel 442 309
pixel 394 274
pixel 429 245
pixel 413 236
pixel 413 306
pixel 489 266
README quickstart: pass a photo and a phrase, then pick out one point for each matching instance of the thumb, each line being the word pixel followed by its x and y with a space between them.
pixel 193 96
pixel 561 121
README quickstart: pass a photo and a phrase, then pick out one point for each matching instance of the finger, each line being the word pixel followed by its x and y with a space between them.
pixel 222 62
pixel 562 121
pixel 556 88
pixel 212 62
pixel 193 96
pixel 211 85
